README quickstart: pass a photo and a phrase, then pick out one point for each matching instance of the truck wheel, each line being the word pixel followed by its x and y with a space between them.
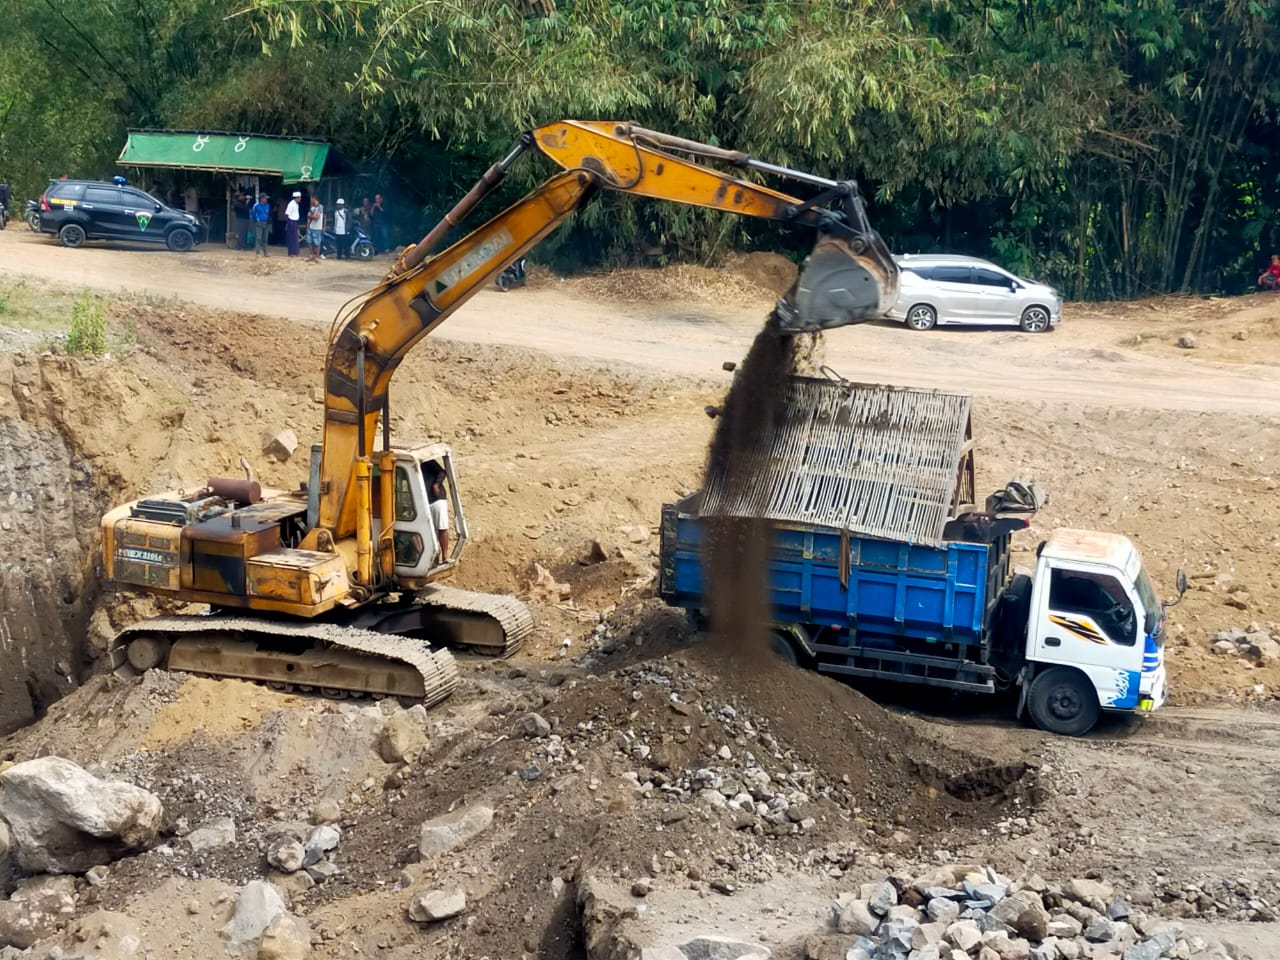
pixel 1063 701
pixel 784 648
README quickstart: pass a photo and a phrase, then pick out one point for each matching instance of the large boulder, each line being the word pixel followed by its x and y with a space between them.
pixel 65 820
pixel 38 908
pixel 6 857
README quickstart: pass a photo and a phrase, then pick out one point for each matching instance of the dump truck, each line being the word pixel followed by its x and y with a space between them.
pixel 881 565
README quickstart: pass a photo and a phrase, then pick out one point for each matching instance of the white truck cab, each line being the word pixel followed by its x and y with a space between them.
pixel 1095 632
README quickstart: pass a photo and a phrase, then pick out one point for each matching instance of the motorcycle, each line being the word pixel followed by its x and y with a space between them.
pixel 512 276
pixel 4 217
pixel 31 214
pixel 358 244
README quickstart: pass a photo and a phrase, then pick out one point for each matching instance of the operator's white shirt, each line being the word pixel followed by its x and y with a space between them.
pixel 440 513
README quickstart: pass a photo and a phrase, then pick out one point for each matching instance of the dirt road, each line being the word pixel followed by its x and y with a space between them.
pixel 1097 356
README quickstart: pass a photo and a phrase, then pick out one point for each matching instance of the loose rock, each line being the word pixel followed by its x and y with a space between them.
pixel 326 811
pixel 451 830
pixel 218 833
pixel 281 445
pixel 534 725
pixel 286 854
pixel 319 841
pixel 437 905
pixel 286 938
pixel 259 903
pixel 401 739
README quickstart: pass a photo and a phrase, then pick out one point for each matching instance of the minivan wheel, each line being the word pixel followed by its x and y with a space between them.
pixel 72 235
pixel 922 317
pixel 180 241
pixel 1035 320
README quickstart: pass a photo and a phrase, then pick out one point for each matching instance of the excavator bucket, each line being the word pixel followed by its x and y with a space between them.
pixel 842 282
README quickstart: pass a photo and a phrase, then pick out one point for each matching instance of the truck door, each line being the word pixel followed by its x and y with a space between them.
pixel 1087 619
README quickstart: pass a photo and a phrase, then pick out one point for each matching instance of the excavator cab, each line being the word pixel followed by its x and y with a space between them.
pixel 420 558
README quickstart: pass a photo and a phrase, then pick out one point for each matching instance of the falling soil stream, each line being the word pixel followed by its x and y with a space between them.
pixel 737 546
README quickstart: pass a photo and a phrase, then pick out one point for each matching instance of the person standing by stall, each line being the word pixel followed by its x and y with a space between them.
pixel 381 228
pixel 341 230
pixel 315 230
pixel 241 210
pixel 261 217
pixel 292 215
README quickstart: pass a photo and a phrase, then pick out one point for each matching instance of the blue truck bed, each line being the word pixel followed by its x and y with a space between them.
pixel 905 611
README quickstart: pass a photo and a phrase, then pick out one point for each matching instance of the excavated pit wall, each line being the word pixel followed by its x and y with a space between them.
pixel 49 510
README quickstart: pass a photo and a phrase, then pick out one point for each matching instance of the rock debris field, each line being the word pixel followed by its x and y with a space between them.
pixel 621 789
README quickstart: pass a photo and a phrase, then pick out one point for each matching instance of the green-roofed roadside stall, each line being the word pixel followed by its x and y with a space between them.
pixel 207 168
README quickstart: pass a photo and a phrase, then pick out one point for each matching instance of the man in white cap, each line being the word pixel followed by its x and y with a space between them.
pixel 340 229
pixel 292 215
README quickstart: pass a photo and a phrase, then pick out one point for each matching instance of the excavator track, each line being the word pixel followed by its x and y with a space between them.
pixel 334 660
pixel 490 624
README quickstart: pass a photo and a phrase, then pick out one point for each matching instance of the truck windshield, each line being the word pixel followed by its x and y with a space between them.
pixel 1146 591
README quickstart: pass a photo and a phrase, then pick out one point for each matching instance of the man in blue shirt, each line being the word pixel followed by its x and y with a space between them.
pixel 261 216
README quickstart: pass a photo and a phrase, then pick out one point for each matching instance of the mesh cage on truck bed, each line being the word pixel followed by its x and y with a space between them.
pixel 874 460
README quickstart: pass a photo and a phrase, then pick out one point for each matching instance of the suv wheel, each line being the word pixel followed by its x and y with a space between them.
pixel 1035 320
pixel 922 317
pixel 180 240
pixel 72 235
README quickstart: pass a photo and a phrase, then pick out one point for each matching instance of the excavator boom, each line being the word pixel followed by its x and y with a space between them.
pixel 849 277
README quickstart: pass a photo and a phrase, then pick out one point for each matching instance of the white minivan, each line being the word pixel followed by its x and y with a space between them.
pixel 941 290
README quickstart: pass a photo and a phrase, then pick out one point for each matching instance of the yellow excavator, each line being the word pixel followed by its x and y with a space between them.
pixel 338 586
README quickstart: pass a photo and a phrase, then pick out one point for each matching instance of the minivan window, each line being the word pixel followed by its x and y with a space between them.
pixel 951 274
pixel 989 278
pixel 101 195
pixel 140 198
pixel 67 191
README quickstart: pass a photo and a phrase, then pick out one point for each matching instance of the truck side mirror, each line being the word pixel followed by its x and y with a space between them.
pixel 1182 582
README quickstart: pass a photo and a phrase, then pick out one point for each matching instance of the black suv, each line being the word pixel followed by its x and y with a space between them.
pixel 80 210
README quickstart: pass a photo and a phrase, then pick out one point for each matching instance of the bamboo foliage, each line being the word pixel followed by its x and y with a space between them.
pixel 1115 148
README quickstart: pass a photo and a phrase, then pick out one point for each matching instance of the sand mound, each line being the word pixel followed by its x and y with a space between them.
pixel 686 283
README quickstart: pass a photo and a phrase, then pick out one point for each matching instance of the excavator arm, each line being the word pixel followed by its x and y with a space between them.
pixel 849 277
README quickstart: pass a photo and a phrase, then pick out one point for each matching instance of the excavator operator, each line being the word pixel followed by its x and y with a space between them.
pixel 438 503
